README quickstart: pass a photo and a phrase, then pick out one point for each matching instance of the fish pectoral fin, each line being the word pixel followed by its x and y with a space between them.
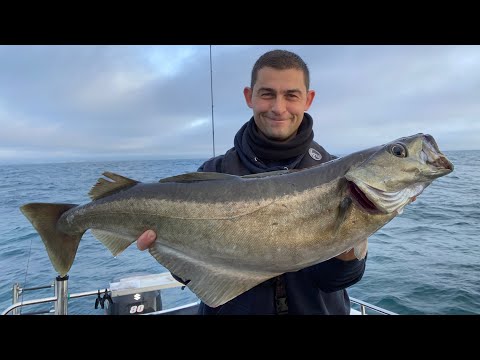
pixel 105 187
pixel 343 210
pixel 115 242
pixel 213 283
pixel 198 176
pixel 360 249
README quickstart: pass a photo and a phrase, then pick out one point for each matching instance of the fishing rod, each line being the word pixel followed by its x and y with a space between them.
pixel 211 97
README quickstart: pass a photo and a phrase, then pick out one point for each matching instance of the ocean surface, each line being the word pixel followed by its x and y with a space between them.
pixel 425 261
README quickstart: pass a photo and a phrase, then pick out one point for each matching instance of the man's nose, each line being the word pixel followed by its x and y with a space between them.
pixel 279 105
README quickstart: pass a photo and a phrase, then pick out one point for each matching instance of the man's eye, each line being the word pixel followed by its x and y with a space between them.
pixel 267 95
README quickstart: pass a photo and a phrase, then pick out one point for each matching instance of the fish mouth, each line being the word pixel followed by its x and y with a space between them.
pixel 362 200
pixel 432 156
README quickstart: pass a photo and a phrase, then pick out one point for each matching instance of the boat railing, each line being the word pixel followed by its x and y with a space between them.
pixel 131 285
pixel 61 296
pixel 364 306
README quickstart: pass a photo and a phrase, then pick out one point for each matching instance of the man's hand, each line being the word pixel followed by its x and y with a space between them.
pixel 347 255
pixel 146 240
pixel 350 254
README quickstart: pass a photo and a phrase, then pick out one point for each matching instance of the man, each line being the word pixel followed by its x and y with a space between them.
pixel 280 136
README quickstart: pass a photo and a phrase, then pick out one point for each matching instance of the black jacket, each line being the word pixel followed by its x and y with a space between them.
pixel 318 289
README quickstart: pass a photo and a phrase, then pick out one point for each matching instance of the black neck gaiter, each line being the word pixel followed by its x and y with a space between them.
pixel 260 154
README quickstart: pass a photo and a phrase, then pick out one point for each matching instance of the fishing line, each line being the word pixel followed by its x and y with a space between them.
pixel 26 272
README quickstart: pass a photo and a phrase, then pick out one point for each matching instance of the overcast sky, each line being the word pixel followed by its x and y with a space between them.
pixel 75 103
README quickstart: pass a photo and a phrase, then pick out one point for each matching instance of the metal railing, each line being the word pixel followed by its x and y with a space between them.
pixel 365 305
pixel 62 297
pixel 17 291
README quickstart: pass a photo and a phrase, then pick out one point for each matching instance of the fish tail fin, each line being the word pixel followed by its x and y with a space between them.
pixel 61 247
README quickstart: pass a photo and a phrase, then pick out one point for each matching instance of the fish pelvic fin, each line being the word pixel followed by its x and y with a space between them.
pixel 61 247
pixel 105 187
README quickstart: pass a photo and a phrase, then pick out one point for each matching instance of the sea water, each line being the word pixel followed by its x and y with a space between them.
pixel 425 261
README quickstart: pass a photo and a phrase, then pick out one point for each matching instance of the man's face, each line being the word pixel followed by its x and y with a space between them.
pixel 279 99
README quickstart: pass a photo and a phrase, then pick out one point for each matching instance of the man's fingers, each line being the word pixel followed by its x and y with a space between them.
pixel 146 239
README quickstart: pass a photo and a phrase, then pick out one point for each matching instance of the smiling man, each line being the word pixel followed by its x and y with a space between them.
pixel 278 99
pixel 279 136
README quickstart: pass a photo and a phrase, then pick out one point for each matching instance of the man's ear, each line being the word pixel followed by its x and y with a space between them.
pixel 248 92
pixel 310 96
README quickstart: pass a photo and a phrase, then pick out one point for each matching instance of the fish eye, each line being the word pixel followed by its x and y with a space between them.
pixel 399 150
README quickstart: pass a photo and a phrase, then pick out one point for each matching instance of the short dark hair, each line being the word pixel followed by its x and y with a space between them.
pixel 280 60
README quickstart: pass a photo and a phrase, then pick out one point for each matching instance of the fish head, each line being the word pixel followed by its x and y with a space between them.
pixel 396 173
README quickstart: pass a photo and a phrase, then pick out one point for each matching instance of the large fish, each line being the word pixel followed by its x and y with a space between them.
pixel 224 234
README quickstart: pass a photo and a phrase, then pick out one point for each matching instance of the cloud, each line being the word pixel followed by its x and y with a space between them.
pixel 119 102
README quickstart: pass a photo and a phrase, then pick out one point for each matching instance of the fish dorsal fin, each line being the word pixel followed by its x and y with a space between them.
pixel 198 176
pixel 104 187
pixel 269 173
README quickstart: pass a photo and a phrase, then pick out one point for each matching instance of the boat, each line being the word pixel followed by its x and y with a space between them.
pixel 132 295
